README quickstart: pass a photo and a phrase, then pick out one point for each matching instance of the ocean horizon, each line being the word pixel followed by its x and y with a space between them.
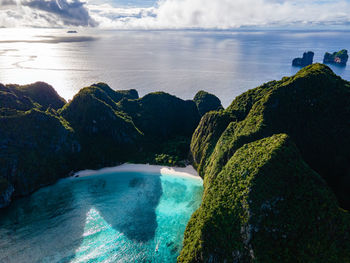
pixel 180 62
pixel 163 131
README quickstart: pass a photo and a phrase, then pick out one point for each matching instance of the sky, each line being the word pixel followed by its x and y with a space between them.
pixel 176 14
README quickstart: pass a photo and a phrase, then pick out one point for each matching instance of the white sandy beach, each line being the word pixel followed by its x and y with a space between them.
pixel 187 171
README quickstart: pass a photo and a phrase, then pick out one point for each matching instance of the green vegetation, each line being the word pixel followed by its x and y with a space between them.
pixel 254 211
pixel 36 149
pixel 161 116
pixel 339 58
pixel 173 152
pixel 117 95
pixel 167 124
pixel 245 163
pixel 205 137
pixel 44 139
pixel 311 107
pixel 40 93
pixel 112 129
pixel 207 102
pixel 277 152
pixel 106 137
pixel 9 99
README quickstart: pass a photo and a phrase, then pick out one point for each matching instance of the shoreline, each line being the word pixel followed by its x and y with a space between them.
pixel 188 171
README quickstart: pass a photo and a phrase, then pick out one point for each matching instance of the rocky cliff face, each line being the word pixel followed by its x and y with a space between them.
pixel 6 191
pixel 105 135
pixel 11 100
pixel 166 123
pixel 35 149
pixel 275 163
pixel 306 60
pixel 39 92
pixel 42 142
pixel 35 143
pixel 207 102
pixel 161 115
pixel 337 58
pixel 273 154
pixel 117 126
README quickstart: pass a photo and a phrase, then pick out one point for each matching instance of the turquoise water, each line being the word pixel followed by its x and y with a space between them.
pixel 115 217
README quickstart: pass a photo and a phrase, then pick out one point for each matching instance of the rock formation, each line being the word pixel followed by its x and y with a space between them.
pixel 337 58
pixel 206 102
pixel 275 163
pixel 277 152
pixel 43 138
pixel 306 60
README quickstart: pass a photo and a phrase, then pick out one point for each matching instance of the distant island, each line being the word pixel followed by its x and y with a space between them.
pixel 306 60
pixel 337 58
pixel 72 32
pixel 275 163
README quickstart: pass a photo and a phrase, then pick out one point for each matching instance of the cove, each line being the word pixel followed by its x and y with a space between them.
pixel 135 213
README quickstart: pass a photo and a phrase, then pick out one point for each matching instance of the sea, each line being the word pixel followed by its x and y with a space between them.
pixel 180 62
pixel 106 217
pixel 128 216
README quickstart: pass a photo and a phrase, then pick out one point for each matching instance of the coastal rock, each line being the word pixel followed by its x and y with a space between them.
pixel 311 107
pixel 10 100
pixel 337 58
pixel 105 135
pixel 117 126
pixel 167 124
pixel 36 149
pixel 205 137
pixel 36 145
pixel 39 92
pixel 253 210
pixel 116 95
pixel 161 115
pixel 306 60
pixel 99 127
pixel 277 151
pixel 6 191
pixel 207 102
pixel 290 137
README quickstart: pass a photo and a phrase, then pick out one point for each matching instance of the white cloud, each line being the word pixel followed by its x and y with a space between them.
pixel 184 14
pixel 225 14
pixel 44 13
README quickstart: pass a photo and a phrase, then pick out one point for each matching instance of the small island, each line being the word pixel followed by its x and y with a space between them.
pixel 72 31
pixel 306 60
pixel 339 58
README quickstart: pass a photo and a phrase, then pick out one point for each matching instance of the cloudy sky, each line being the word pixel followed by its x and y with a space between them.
pixel 175 14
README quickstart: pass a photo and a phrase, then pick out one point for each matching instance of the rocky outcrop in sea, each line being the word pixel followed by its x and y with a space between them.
pixel 306 60
pixel 337 58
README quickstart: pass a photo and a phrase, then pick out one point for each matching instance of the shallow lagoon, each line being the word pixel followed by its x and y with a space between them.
pixel 106 217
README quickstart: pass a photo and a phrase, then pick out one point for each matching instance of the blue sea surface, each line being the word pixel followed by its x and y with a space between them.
pixel 111 217
pixel 226 63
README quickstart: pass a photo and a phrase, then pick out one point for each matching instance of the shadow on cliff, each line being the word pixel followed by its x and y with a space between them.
pixel 51 223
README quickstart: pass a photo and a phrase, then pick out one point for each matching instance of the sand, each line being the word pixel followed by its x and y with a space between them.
pixel 187 171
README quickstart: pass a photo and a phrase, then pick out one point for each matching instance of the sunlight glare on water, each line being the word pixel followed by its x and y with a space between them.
pixel 225 63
